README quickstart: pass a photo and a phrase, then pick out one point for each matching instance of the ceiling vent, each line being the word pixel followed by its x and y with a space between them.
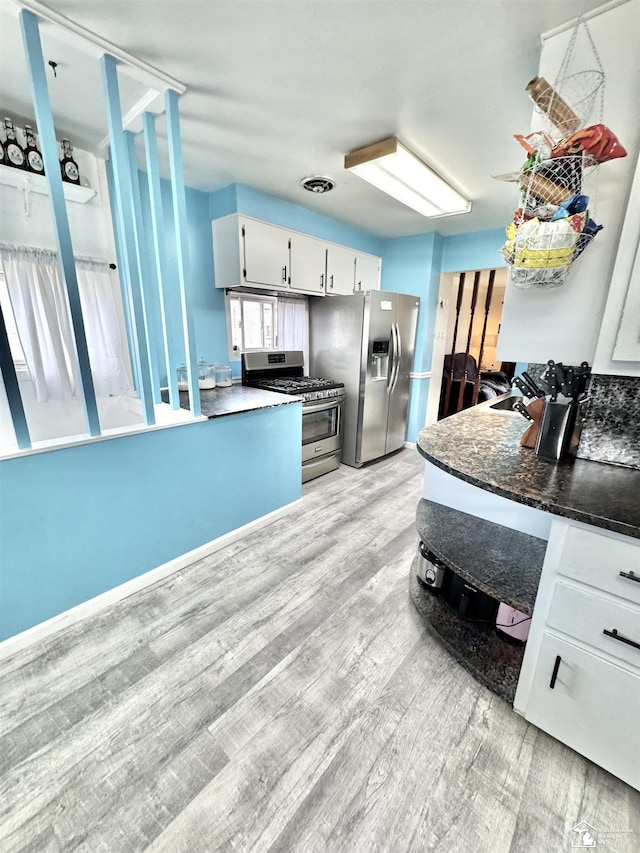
pixel 317 184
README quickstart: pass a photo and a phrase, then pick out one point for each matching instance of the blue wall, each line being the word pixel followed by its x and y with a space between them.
pixel 239 198
pixel 412 265
pixel 206 303
pixel 81 520
pixel 477 251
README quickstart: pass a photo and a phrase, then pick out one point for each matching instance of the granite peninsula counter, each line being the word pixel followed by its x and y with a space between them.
pixel 479 451
pixel 218 402
pixel 481 446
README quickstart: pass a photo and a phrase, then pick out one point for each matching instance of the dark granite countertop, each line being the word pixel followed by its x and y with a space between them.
pixel 481 446
pixel 218 402
pixel 511 561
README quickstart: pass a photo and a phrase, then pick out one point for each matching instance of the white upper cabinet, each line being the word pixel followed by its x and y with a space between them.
pixel 308 259
pixel 341 265
pixel 367 272
pixel 265 255
pixel 618 350
pixel 251 253
pixel 349 271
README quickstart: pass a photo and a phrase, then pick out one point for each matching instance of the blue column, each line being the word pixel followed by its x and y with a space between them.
pixel 12 388
pixel 180 222
pixel 127 229
pixel 46 131
pixel 125 290
pixel 157 222
pixel 146 284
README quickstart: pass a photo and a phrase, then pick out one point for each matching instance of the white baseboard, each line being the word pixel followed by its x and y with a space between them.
pixel 410 445
pixel 21 641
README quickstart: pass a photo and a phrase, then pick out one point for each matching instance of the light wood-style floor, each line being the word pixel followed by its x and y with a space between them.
pixel 283 695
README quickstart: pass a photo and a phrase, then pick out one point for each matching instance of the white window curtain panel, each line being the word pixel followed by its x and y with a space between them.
pixel 39 302
pixel 293 325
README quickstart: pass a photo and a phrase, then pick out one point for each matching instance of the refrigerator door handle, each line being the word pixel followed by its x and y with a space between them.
pixel 392 368
pixel 397 355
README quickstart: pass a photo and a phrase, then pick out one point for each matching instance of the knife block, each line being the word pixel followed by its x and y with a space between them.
pixel 530 435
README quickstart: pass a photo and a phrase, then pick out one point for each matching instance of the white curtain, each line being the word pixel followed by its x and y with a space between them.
pixel 293 325
pixel 39 302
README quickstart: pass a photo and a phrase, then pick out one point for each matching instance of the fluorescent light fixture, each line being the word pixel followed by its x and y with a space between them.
pixel 392 168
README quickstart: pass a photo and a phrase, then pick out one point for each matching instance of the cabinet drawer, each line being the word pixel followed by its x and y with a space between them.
pixel 592 707
pixel 585 615
pixel 598 560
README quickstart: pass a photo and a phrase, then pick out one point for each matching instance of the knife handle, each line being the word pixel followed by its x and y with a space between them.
pixel 520 407
pixel 538 392
pixel 521 385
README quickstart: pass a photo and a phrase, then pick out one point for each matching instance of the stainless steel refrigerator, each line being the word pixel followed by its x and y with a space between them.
pixel 366 340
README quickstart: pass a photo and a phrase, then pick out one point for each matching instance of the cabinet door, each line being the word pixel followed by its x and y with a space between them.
pixel 265 255
pixel 340 269
pixel 308 264
pixel 592 706
pixel 367 272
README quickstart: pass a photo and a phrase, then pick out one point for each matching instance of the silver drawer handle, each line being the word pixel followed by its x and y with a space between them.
pixel 614 633
pixel 630 576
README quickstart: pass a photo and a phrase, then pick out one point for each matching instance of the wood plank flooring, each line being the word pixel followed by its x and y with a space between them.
pixel 283 696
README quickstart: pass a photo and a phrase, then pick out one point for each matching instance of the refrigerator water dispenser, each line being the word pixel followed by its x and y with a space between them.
pixel 380 360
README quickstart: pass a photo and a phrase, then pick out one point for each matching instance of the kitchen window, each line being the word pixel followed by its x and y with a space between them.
pixel 257 322
pixel 252 322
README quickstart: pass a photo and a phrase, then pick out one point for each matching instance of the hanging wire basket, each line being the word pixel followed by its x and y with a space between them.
pixel 545 185
pixel 542 254
pixel 552 227
pixel 569 104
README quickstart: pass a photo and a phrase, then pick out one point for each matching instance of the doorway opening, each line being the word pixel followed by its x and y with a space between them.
pixel 465 367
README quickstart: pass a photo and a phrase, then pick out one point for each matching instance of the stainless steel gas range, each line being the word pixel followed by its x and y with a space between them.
pixel 321 407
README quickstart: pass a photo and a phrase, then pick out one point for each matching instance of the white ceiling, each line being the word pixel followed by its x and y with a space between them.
pixel 277 90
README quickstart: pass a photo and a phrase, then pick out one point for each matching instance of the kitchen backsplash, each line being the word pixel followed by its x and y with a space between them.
pixel 611 432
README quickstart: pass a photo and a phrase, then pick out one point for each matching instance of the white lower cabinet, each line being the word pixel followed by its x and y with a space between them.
pixel 580 676
pixel 591 705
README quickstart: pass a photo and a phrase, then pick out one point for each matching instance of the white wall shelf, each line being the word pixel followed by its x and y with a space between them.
pixel 20 180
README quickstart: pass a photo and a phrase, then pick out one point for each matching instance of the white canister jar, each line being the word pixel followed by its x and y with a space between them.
pixel 223 375
pixel 206 375
pixel 183 382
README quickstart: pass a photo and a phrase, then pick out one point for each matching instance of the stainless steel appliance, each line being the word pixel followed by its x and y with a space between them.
pixel 321 408
pixel 366 340
pixel 430 570
pixel 467 600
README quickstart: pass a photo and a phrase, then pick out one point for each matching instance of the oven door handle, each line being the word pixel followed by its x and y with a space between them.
pixel 310 409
